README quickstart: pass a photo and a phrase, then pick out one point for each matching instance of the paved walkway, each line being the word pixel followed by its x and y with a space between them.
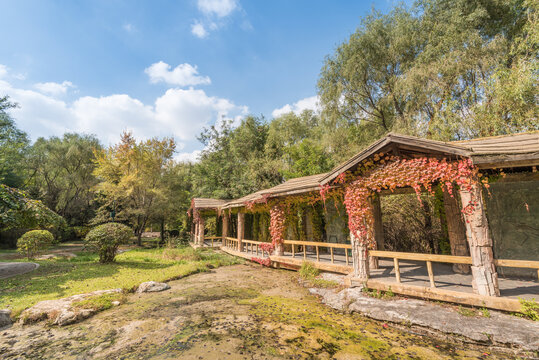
pixel 415 273
pixel 10 269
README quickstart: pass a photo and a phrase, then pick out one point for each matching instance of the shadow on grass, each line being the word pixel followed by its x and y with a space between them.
pixel 60 278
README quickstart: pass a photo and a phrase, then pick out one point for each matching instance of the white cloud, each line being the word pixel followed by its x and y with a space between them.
pixel 188 156
pixel 182 75
pixel 220 8
pixel 199 30
pixel 52 88
pixel 180 113
pixel 3 71
pixel 129 27
pixel 310 103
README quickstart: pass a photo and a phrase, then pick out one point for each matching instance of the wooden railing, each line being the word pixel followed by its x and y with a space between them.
pixel 213 238
pixel 430 258
pixel 231 242
pixel 317 246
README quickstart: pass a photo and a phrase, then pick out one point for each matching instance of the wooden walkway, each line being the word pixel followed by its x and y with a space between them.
pixel 414 277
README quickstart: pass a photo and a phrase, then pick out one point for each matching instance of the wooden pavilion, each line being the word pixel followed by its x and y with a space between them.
pixel 470 234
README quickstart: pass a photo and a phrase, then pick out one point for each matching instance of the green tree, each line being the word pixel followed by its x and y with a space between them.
pixel 13 145
pixel 131 179
pixel 60 172
pixel 18 211
pixel 444 69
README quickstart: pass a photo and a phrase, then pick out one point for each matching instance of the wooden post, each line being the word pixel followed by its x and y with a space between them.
pixel 194 237
pixel 200 240
pixel 431 274
pixel 241 229
pixel 332 258
pixel 456 231
pixel 360 258
pixel 317 254
pixel 397 270
pixel 485 277
pixel 293 250
pixel 224 233
pixel 378 231
pixel 346 255
pixel 304 252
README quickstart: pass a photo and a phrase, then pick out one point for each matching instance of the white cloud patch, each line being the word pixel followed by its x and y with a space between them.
pixel 181 75
pixel 180 113
pixel 219 8
pixel 53 88
pixel 310 103
pixel 188 156
pixel 129 28
pixel 199 30
pixel 3 71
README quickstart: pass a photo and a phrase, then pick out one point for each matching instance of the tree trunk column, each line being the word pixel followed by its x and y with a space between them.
pixel 456 231
pixel 241 230
pixel 225 227
pixel 200 239
pixel 485 277
pixel 378 231
pixel 193 231
pixel 360 258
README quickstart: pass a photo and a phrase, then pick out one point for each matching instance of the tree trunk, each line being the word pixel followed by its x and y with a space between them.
pixel 378 231
pixel 139 237
pixel 360 256
pixel 241 230
pixel 225 225
pixel 162 230
pixel 456 231
pixel 428 227
pixel 485 277
pixel 200 240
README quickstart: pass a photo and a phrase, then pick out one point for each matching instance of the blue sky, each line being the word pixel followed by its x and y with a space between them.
pixel 165 68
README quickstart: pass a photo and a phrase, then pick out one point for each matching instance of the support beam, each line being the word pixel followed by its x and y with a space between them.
pixel 224 233
pixel 195 234
pixel 360 258
pixel 241 229
pixel 485 277
pixel 378 231
pixel 456 231
pixel 200 240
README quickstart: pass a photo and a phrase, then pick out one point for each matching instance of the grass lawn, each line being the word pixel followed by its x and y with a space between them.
pixel 60 278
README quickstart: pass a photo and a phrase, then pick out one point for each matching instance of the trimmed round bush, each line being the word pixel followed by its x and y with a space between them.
pixel 106 238
pixel 34 241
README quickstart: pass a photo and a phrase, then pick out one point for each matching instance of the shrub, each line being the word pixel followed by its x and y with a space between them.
pixel 308 271
pixel 106 238
pixel 34 241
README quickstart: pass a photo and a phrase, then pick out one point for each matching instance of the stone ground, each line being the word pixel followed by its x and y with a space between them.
pixel 236 312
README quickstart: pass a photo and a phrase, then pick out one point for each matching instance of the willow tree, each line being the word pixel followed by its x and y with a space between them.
pixel 131 179
pixel 444 69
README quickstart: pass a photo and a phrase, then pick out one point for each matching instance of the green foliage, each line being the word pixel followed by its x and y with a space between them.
pixel 485 312
pixel 378 294
pixel 13 146
pixel 529 308
pixel 464 311
pixel 100 302
pixel 307 271
pixel 18 211
pixel 441 69
pixel 132 178
pixel 60 172
pixel 56 279
pixel 33 242
pixel 105 240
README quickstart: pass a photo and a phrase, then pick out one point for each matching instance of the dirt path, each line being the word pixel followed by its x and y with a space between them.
pixel 10 269
pixel 237 312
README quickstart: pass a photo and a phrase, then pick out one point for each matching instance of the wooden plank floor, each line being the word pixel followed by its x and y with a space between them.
pixel 413 273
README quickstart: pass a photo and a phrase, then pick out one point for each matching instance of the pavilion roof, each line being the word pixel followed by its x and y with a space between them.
pixel 488 152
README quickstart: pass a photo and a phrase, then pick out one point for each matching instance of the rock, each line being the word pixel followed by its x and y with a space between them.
pixel 60 312
pixel 499 328
pixel 152 286
pixel 5 318
pixel 115 303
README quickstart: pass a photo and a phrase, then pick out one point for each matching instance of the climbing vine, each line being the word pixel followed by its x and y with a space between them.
pixel 392 172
